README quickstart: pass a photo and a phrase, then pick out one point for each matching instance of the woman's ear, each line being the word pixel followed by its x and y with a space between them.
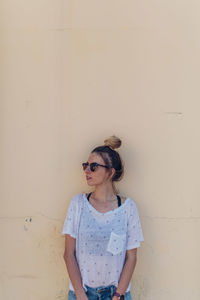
pixel 112 173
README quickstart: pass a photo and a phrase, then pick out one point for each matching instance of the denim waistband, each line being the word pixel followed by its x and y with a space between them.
pixel 101 289
pixel 99 293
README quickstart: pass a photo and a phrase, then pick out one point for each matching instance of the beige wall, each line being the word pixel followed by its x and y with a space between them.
pixel 73 73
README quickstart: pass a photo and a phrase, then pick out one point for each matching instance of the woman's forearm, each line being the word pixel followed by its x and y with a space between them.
pixel 74 274
pixel 126 274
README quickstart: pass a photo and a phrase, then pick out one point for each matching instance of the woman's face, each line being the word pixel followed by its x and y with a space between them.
pixel 101 175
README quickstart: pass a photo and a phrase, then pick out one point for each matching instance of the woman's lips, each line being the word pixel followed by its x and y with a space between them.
pixel 88 178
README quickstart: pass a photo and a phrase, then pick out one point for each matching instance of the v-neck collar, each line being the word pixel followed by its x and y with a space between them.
pixel 107 212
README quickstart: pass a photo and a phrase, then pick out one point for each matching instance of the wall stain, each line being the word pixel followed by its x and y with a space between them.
pixel 27 220
pixel 61 295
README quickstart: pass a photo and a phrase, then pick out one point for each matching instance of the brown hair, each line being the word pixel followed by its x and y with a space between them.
pixel 111 157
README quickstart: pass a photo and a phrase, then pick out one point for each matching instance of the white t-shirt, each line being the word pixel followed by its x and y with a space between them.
pixel 102 239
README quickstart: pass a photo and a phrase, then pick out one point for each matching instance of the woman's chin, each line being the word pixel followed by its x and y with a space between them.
pixel 90 183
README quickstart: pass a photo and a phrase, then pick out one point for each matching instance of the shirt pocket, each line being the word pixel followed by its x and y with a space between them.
pixel 116 243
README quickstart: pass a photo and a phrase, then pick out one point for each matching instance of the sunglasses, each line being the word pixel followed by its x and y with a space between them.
pixel 93 166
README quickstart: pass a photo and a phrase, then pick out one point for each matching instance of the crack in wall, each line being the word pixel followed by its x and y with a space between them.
pixel 172 218
pixel 31 218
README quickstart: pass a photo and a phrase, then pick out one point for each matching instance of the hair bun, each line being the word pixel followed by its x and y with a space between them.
pixel 113 142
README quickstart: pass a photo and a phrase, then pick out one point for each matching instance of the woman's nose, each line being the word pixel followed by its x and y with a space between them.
pixel 87 170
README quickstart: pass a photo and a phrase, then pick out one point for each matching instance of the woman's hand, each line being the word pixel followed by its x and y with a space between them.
pixel 114 298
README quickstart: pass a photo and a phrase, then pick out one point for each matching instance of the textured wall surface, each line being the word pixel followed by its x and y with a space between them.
pixel 73 73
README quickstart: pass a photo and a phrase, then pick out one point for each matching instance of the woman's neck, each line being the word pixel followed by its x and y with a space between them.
pixel 104 193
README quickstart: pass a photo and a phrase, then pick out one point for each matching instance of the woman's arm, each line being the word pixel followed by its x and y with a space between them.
pixel 127 272
pixel 73 268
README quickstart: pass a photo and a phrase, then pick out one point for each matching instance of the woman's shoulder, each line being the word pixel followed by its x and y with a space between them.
pixel 128 201
pixel 77 198
pixel 76 203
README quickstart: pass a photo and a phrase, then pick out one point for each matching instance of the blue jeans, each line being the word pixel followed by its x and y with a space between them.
pixel 99 293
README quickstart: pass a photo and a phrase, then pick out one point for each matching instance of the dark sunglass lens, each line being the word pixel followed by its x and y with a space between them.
pixel 84 165
pixel 93 167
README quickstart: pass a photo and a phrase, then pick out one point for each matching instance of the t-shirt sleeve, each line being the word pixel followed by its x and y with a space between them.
pixel 134 233
pixel 71 222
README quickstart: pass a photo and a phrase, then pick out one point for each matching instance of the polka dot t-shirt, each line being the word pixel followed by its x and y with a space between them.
pixel 102 239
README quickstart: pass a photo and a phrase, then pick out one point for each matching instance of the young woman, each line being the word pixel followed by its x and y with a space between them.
pixel 102 231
